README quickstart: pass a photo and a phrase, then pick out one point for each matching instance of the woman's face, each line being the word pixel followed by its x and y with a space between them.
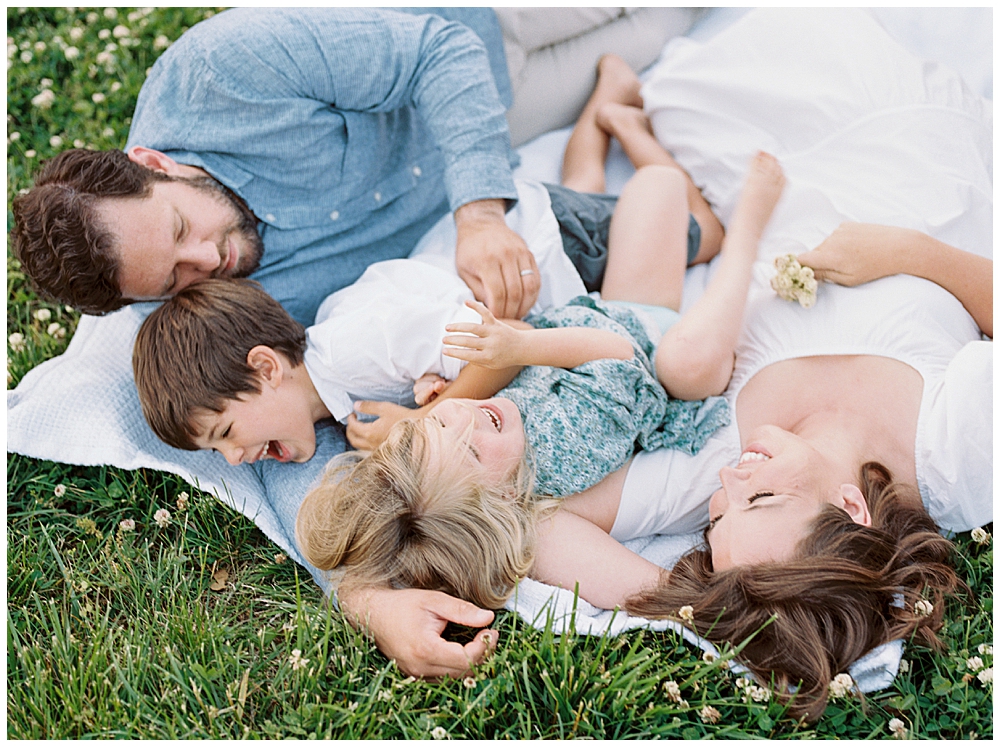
pixel 768 501
pixel 490 429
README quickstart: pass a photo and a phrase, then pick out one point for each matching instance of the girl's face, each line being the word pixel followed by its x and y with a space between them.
pixel 490 430
pixel 769 500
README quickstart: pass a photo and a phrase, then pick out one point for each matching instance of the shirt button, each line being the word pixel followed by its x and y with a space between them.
pixel 269 218
pixel 335 215
pixel 417 171
pixel 378 197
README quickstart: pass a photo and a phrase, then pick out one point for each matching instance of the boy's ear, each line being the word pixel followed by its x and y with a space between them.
pixel 268 365
pixel 855 504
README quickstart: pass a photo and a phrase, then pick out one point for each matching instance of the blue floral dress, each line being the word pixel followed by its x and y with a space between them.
pixel 584 423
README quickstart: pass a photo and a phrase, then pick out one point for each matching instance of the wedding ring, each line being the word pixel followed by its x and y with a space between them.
pixel 527 272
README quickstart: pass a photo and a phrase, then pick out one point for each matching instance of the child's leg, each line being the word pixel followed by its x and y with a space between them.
pixel 648 240
pixel 631 127
pixel 587 149
pixel 695 357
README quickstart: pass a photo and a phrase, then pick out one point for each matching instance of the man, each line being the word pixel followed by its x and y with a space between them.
pixel 299 146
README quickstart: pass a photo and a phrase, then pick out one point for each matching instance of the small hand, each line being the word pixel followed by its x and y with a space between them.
pixel 368 436
pixel 492 344
pixel 494 261
pixel 407 625
pixel 857 253
pixel 428 387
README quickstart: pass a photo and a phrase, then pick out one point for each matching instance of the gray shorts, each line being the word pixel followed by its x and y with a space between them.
pixel 584 220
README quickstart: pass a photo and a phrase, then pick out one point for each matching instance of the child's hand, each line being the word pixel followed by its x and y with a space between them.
pixel 428 387
pixel 492 344
pixel 368 436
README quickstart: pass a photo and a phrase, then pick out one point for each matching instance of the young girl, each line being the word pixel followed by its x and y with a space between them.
pixel 448 501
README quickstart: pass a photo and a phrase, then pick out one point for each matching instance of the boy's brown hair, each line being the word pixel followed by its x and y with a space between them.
pixel 191 353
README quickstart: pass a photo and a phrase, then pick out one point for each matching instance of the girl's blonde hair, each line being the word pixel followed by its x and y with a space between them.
pixel 396 520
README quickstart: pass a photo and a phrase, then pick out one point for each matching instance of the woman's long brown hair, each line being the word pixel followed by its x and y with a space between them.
pixel 839 598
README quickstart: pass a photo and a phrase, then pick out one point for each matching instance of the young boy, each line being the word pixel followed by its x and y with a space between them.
pixel 220 366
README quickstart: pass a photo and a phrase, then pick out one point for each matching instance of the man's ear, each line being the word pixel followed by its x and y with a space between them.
pixel 268 365
pixel 855 504
pixel 154 160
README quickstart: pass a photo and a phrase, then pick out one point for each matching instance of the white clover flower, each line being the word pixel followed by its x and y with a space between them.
pixel 981 536
pixel 974 663
pixel 92 17
pixel 686 613
pixel 14 136
pixel 27 57
pixel 162 518
pixel 98 98
pixel 30 153
pixel 296 660
pixel 71 53
pixel 923 608
pixel 127 525
pixel 759 694
pixel 45 83
pixel 107 132
pixel 841 685
pixel 104 58
pixel 134 16
pixel 78 143
pixel 59 490
pixel 55 141
pixel 56 330
pixel 182 501
pixel 120 31
pixel 904 666
pixel 112 47
pixel 40 46
pixel 673 691
pixel 116 87
pixel 794 282
pixel 58 41
pixel 110 13
pixel 43 315
pixel 709 656
pixel 439 732
pixel 985 649
pixel 985 676
pixel 280 558
pixel 709 715
pixel 469 682
pixel 76 33
pixel 16 342
pixel 742 682
pixel 161 42
pixel 44 100
pixel 104 34
pixel 898 728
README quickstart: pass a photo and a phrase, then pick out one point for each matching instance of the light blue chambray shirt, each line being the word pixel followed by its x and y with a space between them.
pixel 347 131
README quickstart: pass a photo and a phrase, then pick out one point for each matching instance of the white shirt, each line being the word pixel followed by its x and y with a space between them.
pixel 372 339
pixel 904 318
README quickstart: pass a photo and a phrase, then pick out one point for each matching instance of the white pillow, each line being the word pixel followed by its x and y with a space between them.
pixel 864 130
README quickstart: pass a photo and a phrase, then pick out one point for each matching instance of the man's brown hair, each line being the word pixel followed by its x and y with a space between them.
pixel 191 352
pixel 64 247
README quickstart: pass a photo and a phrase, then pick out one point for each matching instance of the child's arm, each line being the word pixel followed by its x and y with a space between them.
pixel 858 253
pixel 497 344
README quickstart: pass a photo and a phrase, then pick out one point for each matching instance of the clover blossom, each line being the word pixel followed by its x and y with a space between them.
pixel 709 715
pixel 794 282
pixel 841 685
pixel 162 518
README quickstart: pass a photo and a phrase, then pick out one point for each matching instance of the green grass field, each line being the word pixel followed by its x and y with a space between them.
pixel 118 627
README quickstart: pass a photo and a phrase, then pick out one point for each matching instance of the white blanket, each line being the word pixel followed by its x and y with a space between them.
pixel 865 132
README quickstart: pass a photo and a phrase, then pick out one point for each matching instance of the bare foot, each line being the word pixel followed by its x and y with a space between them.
pixel 618 120
pixel 617 82
pixel 765 181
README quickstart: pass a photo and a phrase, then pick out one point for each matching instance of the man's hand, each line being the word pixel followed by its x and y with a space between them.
pixel 857 253
pixel 406 625
pixel 428 387
pixel 492 344
pixel 494 261
pixel 368 436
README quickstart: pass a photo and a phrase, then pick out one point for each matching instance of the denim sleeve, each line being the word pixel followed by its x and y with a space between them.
pixel 243 64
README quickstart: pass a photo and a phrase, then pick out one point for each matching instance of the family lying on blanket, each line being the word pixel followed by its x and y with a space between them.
pixel 818 540
pixel 816 533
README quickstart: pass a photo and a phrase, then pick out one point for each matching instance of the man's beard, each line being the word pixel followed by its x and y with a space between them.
pixel 245 224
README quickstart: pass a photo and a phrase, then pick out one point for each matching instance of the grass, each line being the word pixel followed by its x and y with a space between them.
pixel 119 633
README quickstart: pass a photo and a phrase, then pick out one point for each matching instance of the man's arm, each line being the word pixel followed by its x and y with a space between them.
pixel 858 253
pixel 406 625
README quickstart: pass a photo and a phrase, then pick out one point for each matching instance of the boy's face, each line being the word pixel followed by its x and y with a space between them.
pixel 274 424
